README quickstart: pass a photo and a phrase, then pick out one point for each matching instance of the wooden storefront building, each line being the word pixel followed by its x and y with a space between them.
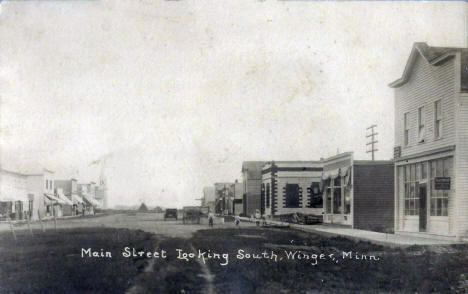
pixel 358 193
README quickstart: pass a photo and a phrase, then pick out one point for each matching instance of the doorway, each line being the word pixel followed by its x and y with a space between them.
pixel 422 207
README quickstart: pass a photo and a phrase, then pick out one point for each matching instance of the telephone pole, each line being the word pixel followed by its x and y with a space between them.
pixel 372 142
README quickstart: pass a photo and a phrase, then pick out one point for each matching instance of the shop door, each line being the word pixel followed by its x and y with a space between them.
pixel 422 208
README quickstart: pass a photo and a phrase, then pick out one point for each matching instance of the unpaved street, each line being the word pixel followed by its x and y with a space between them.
pixel 149 222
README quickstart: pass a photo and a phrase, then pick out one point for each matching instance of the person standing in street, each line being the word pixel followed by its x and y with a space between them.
pixel 210 220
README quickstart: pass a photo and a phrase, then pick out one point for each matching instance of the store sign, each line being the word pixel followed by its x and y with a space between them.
pixel 442 183
pixel 397 152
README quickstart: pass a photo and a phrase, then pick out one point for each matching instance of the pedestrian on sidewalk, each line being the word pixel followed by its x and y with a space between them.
pixel 237 220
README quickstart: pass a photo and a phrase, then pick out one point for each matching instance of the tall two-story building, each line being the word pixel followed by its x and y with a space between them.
pixel 431 142
pixel 251 182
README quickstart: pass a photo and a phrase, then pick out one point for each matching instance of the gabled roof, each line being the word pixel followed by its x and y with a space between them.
pixel 433 55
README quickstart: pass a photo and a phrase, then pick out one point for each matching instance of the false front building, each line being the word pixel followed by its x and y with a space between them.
pixel 291 187
pixel 358 193
pixel 431 142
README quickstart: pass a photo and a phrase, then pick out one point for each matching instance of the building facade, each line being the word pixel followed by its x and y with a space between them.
pixel 209 198
pixel 431 142
pixel 68 191
pixel 251 183
pixel 358 193
pixel 87 192
pixel 15 202
pixel 291 186
pixel 29 193
pixel 225 195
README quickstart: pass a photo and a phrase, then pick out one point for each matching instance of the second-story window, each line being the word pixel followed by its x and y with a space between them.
pixel 421 124
pixel 406 123
pixel 437 119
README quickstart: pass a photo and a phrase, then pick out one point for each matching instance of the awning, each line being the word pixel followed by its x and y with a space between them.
pixel 11 194
pixel 77 199
pixel 65 199
pixel 53 199
pixel 331 174
pixel 91 200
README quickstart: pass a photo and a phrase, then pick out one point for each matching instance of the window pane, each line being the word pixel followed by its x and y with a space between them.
pixel 413 173
pixel 445 207
pixel 433 206
pixel 438 109
pixel 407 173
pixel 439 168
pixel 424 170
pixel 439 206
pixel 433 169
pixel 337 181
pixel 448 162
pixel 337 200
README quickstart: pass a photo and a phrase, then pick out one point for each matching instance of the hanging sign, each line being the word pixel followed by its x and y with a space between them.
pixel 442 183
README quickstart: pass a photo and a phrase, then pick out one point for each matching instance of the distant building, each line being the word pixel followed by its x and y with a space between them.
pixel 87 191
pixel 431 142
pixel 238 206
pixel 358 193
pixel 224 197
pixel 291 186
pixel 209 198
pixel 251 182
pixel 69 189
pixel 27 192
pixel 15 199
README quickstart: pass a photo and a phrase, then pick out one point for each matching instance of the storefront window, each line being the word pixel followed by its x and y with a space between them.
pixel 327 190
pixel 337 208
pixel 440 198
pixel 315 196
pixel 423 170
pixel 411 188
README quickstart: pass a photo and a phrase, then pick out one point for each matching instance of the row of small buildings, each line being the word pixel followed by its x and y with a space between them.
pixel 39 195
pixel 422 190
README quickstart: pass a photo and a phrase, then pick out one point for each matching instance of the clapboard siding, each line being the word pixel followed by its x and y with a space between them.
pixel 426 85
pixel 374 197
pixel 461 165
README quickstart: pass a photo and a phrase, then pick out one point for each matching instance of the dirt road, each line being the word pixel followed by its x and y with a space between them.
pixel 149 222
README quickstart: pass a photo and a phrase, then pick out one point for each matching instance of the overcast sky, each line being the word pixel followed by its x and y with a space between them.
pixel 178 93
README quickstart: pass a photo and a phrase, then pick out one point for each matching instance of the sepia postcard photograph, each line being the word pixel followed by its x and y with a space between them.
pixel 233 147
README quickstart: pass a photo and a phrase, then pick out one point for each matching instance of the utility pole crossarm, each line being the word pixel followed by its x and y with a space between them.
pixel 372 142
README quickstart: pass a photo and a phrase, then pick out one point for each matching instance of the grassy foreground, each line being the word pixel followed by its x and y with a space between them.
pixel 51 262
